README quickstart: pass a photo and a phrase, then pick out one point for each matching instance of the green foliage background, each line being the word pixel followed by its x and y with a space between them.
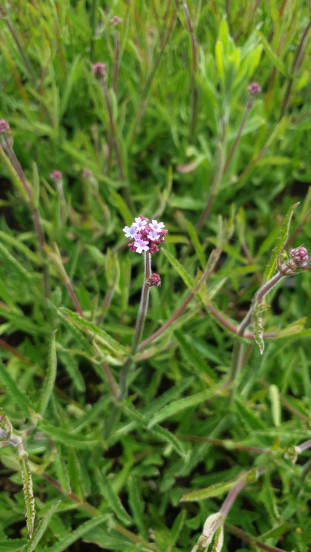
pixel 108 474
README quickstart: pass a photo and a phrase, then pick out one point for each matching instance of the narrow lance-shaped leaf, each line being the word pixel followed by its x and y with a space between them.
pixel 281 240
pixel 258 325
pixel 179 268
pixel 28 492
pixel 18 397
pixel 41 528
pixel 208 492
pixel 93 330
pixel 50 377
pixel 112 498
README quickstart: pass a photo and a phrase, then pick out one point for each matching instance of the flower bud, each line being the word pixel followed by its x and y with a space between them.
pixel 4 126
pixel 99 69
pixel 115 20
pixel 154 280
pixel 56 176
pixel 254 88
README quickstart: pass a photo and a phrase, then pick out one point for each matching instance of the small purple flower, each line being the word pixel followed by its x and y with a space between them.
pixel 4 126
pixel 130 232
pixel 140 223
pixel 56 176
pixel 156 226
pixel 254 88
pixel 153 235
pixel 140 246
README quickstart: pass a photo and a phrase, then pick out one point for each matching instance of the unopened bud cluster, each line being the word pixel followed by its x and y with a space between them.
pixel 56 176
pixel 298 258
pixel 154 280
pixel 145 235
pixel 4 126
pixel 254 88
pixel 99 69
pixel 115 20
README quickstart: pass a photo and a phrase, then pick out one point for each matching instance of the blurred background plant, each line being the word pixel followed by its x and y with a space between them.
pixel 198 114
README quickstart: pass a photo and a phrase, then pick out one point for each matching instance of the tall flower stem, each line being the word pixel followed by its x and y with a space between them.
pixel 218 173
pixel 194 88
pixel 116 61
pixel 140 322
pixel 29 196
pixel 248 107
pixel 238 349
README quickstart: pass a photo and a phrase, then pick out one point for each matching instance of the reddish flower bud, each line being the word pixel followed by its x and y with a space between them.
pixel 99 69
pixel 254 88
pixel 154 280
pixel 56 176
pixel 4 126
pixel 115 20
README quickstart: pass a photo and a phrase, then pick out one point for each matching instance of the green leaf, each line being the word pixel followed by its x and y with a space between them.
pixel 50 377
pixel 214 490
pixel 272 55
pixel 281 240
pixel 137 505
pixel 14 264
pixel 92 330
pixel 41 528
pixel 122 207
pixel 13 174
pixel 180 405
pixel 275 404
pixel 178 267
pixel 114 502
pixel 67 438
pixel 72 537
pixel 18 397
pixel 251 421
pixel 196 244
pixel 28 492
pixel 258 325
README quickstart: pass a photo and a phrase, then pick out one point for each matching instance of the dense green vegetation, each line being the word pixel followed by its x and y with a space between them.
pixel 197 114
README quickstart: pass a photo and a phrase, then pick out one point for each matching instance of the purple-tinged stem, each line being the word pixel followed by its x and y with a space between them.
pixel 113 130
pixel 252 540
pixel 21 50
pixel 304 446
pixel 140 322
pixel 238 349
pixel 233 493
pixel 217 176
pixel 182 307
pixel 248 107
pixel 34 211
pixel 95 512
pixel 116 61
pixel 194 48
pixel 296 64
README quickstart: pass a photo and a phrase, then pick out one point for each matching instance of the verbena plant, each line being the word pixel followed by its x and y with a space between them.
pixel 135 415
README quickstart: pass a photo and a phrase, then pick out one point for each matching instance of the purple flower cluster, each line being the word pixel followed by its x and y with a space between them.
pixel 145 235
pixel 298 258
